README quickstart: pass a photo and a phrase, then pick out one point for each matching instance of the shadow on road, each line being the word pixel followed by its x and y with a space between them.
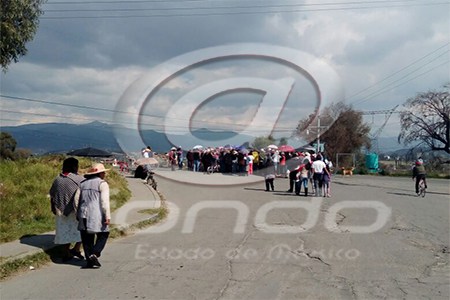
pixel 401 194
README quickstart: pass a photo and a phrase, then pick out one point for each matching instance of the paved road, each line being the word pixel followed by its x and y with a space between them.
pixel 372 240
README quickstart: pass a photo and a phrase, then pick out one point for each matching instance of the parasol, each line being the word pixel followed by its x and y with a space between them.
pixel 286 148
pixel 147 161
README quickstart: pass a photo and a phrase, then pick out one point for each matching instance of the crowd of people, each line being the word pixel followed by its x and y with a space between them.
pixel 234 160
pixel 299 167
pixel 81 204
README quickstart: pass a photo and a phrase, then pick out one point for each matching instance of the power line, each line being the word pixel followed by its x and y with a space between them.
pixel 210 1
pixel 205 123
pixel 193 14
pixel 397 72
pixel 252 6
pixel 402 83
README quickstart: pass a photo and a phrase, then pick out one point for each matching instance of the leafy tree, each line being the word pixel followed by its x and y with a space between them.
pixel 283 141
pixel 426 120
pixel 19 22
pixel 262 142
pixel 341 129
pixel 7 145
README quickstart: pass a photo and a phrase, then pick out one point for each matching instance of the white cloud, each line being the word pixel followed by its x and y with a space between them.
pixel 92 62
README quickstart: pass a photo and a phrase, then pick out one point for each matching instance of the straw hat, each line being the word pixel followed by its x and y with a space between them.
pixel 97 168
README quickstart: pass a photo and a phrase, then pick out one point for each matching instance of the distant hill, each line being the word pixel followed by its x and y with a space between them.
pixel 389 144
pixel 63 137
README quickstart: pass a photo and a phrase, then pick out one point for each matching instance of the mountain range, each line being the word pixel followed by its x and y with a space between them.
pixel 63 137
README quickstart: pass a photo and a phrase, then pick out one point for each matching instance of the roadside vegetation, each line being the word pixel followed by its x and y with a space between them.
pixel 24 186
pixel 25 206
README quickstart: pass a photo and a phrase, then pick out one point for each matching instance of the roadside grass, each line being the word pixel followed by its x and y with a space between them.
pixel 35 261
pixel 10 268
pixel 39 218
pixel 24 202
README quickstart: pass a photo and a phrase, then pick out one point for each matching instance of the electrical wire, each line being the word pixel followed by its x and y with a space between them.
pixel 397 72
pixel 402 83
pixel 200 14
pixel 200 122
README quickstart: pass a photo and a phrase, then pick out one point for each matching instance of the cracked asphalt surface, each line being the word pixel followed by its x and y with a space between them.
pixel 406 258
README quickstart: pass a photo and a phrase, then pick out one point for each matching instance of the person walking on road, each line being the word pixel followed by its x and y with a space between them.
pixel 419 173
pixel 269 175
pixel 318 168
pixel 301 179
pixel 62 195
pixel 94 214
pixel 327 179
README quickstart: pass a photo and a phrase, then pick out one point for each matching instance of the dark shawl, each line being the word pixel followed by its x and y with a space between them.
pixel 62 193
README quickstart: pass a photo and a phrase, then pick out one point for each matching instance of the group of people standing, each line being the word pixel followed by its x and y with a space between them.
pixel 229 160
pixel 312 169
pixel 81 206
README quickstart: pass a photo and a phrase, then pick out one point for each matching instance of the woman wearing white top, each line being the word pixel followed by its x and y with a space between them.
pixel 94 213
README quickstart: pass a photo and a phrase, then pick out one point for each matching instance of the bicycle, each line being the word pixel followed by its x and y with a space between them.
pixel 422 189
pixel 150 180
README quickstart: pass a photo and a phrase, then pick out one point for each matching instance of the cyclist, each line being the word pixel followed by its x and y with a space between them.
pixel 419 174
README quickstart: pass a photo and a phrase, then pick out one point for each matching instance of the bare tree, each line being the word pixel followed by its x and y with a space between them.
pixel 426 120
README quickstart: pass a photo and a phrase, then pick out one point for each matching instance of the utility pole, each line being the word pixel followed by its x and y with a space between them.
pixel 318 128
pixel 318 134
pixel 387 114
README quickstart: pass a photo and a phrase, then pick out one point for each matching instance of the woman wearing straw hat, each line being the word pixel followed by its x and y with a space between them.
pixel 94 214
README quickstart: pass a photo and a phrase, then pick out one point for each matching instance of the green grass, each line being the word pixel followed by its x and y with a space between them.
pixel 24 202
pixel 16 266
pixel 25 206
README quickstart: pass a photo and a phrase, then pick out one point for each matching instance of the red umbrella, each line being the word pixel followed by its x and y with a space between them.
pixel 286 148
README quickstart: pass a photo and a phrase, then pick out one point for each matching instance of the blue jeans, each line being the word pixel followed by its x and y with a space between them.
pixel 196 165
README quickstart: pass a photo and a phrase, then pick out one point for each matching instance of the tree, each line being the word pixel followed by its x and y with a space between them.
pixel 426 120
pixel 7 146
pixel 283 141
pixel 341 129
pixel 19 22
pixel 262 142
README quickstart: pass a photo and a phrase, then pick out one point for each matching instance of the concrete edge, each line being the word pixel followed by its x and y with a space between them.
pixel 209 185
pixel 47 246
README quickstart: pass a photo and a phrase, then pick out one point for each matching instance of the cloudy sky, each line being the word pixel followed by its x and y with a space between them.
pixel 87 55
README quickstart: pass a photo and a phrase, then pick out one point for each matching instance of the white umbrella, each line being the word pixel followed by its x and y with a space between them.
pixel 272 147
pixel 197 147
pixel 147 161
